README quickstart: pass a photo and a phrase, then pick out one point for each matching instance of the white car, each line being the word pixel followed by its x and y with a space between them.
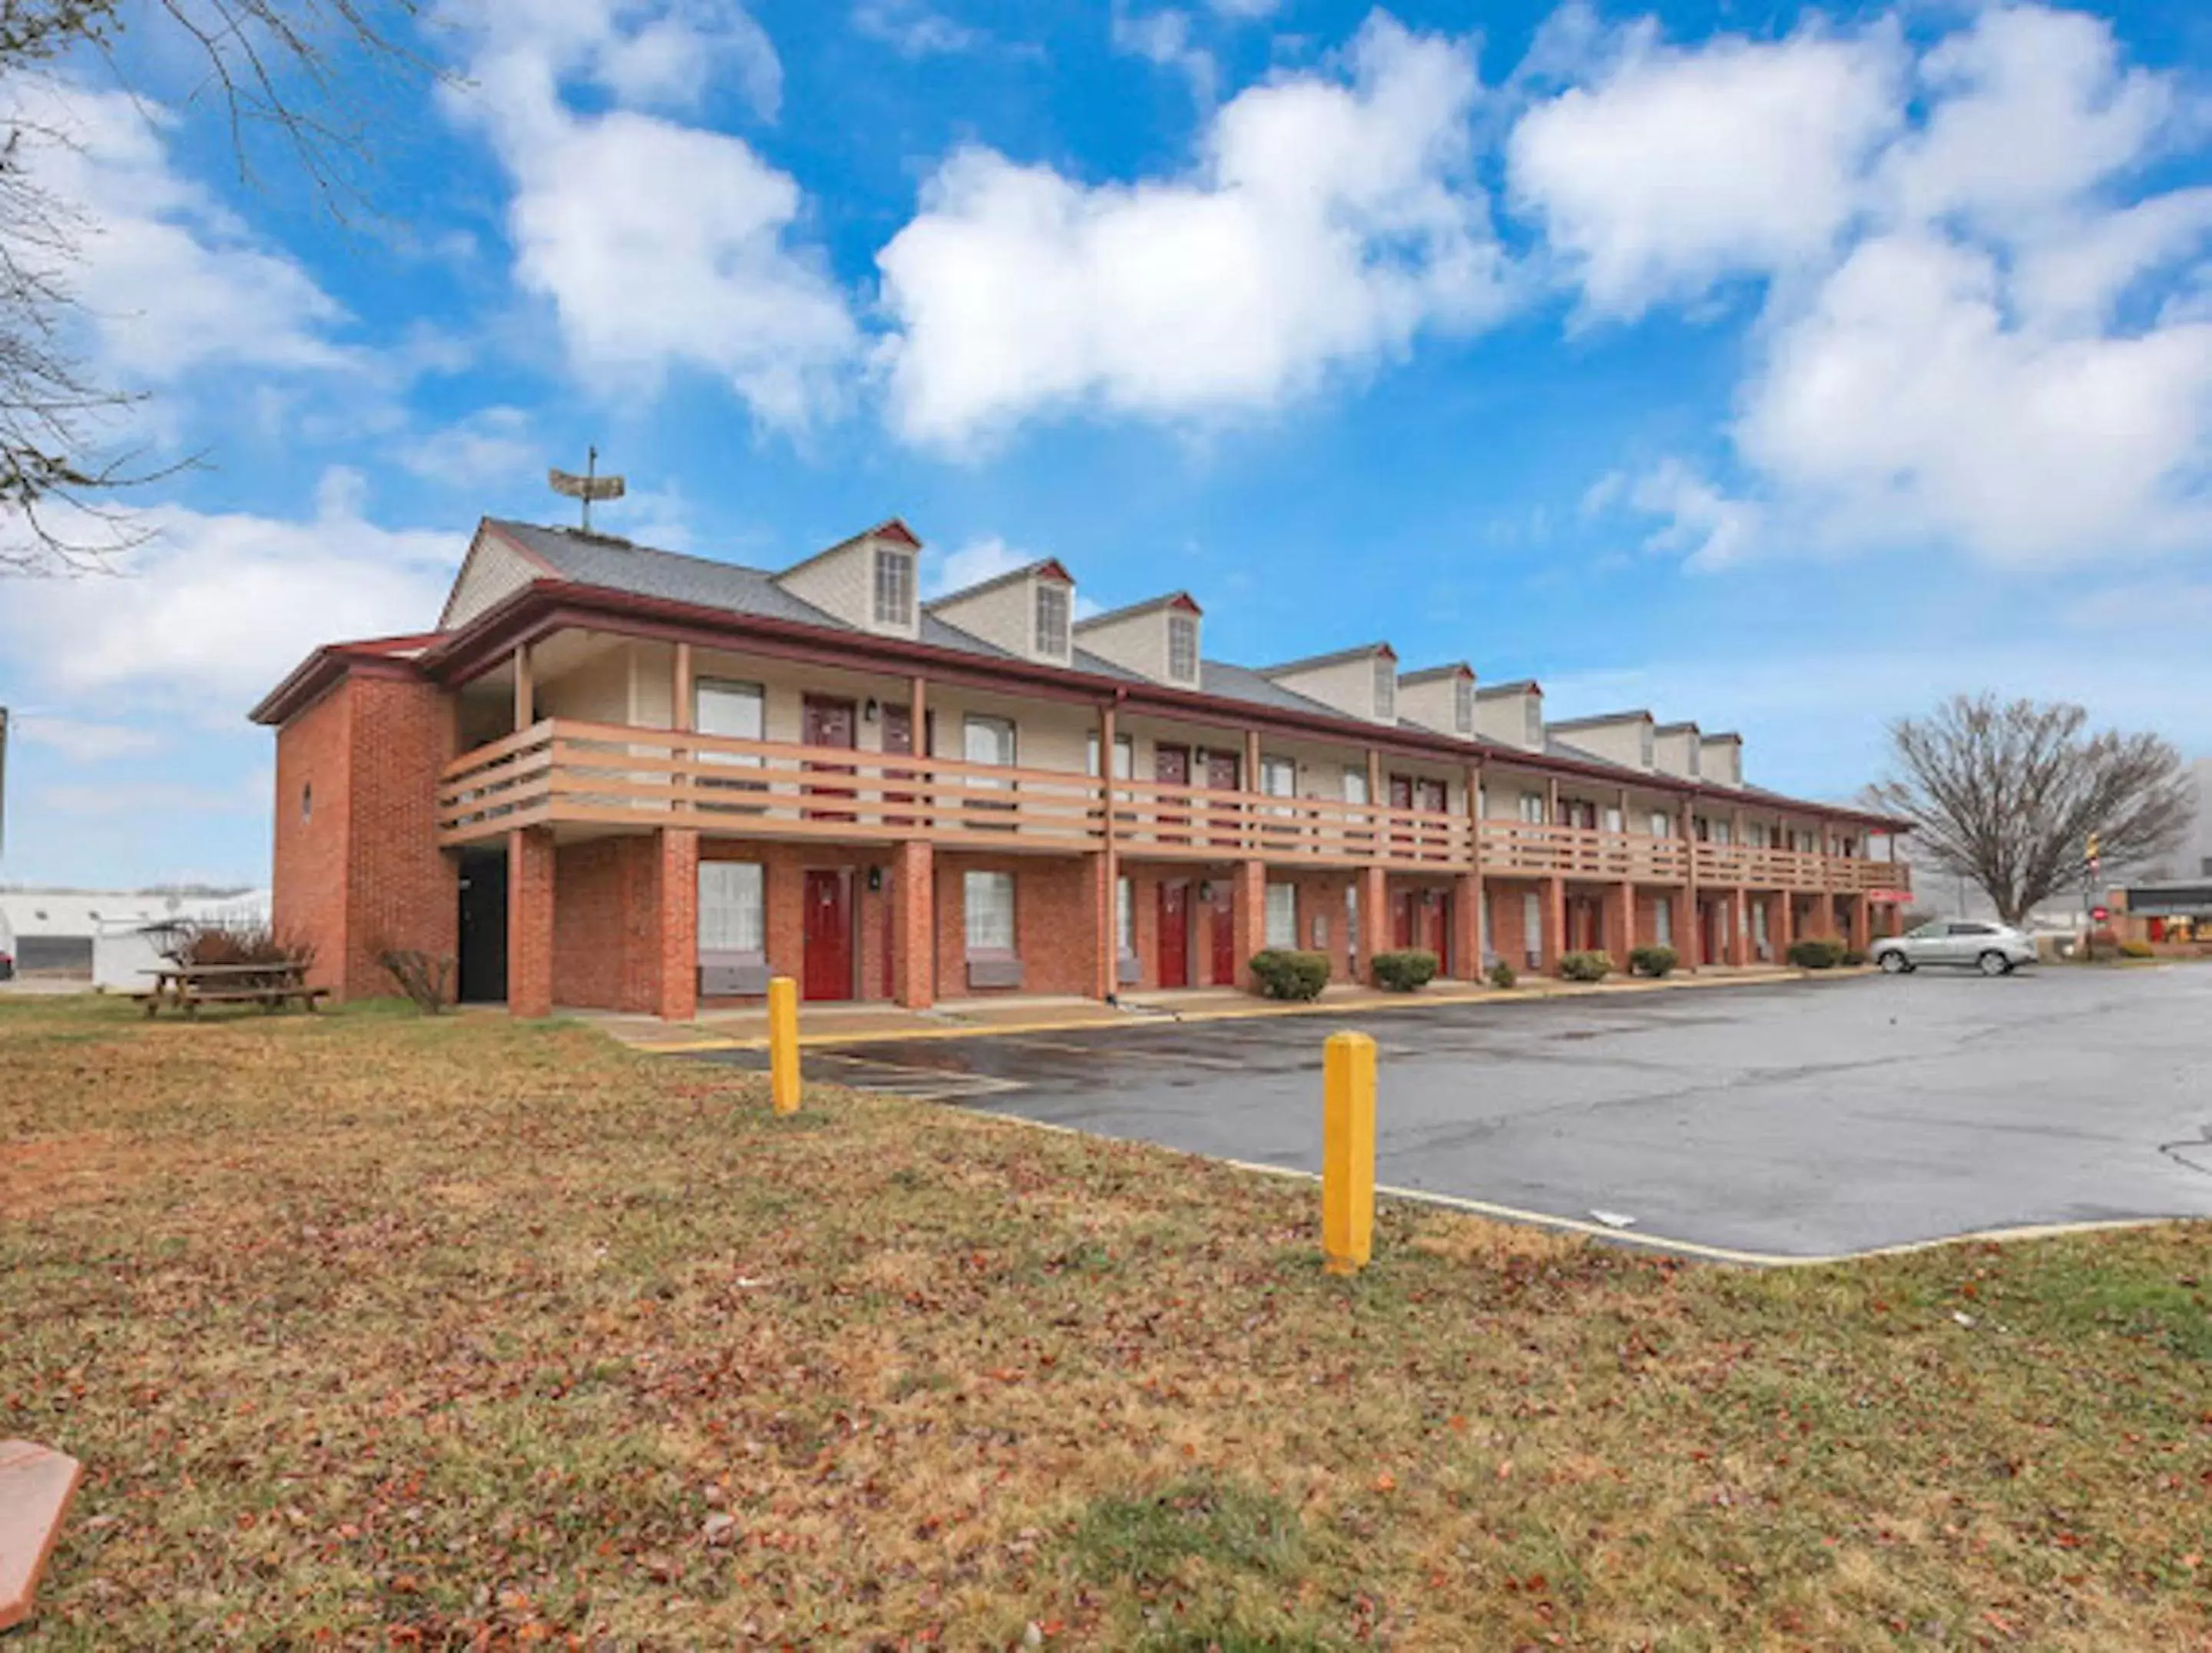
pixel 1992 949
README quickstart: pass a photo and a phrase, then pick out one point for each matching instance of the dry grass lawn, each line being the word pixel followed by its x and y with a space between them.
pixel 375 1331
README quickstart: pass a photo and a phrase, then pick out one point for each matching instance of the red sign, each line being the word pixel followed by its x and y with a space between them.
pixel 1889 897
pixel 2100 913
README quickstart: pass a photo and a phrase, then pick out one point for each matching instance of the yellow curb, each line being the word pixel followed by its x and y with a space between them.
pixel 1248 1013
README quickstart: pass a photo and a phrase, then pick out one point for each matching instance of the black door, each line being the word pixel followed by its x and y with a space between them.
pixel 483 927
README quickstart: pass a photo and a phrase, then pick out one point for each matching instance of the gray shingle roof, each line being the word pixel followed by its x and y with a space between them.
pixel 1498 690
pixel 1339 657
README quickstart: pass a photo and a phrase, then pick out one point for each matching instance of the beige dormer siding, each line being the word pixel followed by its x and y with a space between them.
pixel 1511 715
pixel 1432 699
pixel 1675 749
pixel 842 580
pixel 1344 683
pixel 1624 740
pixel 1003 611
pixel 1136 638
pixel 1720 760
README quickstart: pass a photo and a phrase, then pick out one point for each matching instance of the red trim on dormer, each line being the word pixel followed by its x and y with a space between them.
pixel 893 528
pixel 1185 602
pixel 1051 569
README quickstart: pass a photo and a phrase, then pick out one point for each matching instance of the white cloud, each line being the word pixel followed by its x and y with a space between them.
pixel 83 742
pixel 1674 168
pixel 973 563
pixel 492 447
pixel 170 282
pixel 659 245
pixel 1164 39
pixel 1328 223
pixel 1959 346
pixel 211 612
pixel 912 29
pixel 146 800
pixel 1247 11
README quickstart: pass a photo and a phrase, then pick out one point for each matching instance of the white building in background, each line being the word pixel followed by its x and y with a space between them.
pixel 59 932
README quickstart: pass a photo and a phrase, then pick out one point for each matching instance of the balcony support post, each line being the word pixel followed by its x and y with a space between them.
pixel 1693 931
pixel 1467 889
pixel 679 718
pixel 525 697
pixel 677 930
pixel 913 923
pixel 1620 923
pixel 530 922
pixel 1555 915
pixel 1248 910
pixel 1374 918
pixel 1109 912
pixel 1861 932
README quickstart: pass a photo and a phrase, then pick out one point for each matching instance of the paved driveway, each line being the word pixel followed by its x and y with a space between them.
pixel 1792 1118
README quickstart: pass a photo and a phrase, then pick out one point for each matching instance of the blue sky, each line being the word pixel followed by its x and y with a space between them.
pixel 1780 369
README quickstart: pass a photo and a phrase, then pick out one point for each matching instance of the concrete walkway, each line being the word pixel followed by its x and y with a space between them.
pixel 856 1024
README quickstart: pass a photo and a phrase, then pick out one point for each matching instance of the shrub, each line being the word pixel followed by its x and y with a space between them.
pixel 1502 975
pixel 1816 953
pixel 1282 974
pixel 1585 967
pixel 237 944
pixel 1853 958
pixel 426 979
pixel 1652 961
pixel 2137 950
pixel 1402 972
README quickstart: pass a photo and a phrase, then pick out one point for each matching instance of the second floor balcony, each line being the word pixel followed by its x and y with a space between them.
pixel 608 777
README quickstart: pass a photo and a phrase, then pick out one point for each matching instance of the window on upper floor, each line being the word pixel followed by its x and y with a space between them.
pixel 737 710
pixel 1532 722
pixel 1463 706
pixel 1386 689
pixel 1693 757
pixel 1279 777
pixel 1650 745
pixel 1182 648
pixel 1355 784
pixel 1662 824
pixel 988 740
pixel 893 586
pixel 1124 755
pixel 1052 621
pixel 1532 808
pixel 1613 818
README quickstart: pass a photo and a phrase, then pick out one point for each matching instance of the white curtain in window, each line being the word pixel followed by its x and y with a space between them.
pixel 1665 922
pixel 989 901
pixel 731 908
pixel 1282 916
pixel 1125 917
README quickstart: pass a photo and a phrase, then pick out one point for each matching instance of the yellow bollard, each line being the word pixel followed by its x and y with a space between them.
pixel 783 1043
pixel 1347 1153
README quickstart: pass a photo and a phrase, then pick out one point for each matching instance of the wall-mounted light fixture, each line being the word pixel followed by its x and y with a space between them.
pixel 1204 891
pixel 875 873
pixel 868 712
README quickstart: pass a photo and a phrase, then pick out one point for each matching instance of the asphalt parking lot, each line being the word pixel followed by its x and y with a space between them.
pixel 1790 1119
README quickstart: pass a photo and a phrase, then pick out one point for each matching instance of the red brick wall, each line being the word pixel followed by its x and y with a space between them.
pixel 1508 937
pixel 362 870
pixel 315 755
pixel 605 895
pixel 530 922
pixel 1055 922
pixel 784 887
pixel 405 891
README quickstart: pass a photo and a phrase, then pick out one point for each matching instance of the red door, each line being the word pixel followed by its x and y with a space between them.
pixel 898 741
pixel 1224 935
pixel 828 723
pixel 1221 770
pixel 1175 935
pixel 1437 912
pixel 1407 916
pixel 828 966
pixel 1171 764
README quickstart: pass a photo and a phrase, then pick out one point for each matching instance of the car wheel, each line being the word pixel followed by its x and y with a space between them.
pixel 1995 963
pixel 1894 963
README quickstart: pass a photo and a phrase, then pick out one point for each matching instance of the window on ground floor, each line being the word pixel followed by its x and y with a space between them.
pixel 988 901
pixel 1532 928
pixel 1282 916
pixel 1662 919
pixel 731 907
pixel 1125 917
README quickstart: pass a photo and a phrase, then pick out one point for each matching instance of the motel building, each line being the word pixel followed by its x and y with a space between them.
pixel 620 778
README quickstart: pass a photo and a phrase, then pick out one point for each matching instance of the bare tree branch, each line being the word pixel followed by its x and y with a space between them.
pixel 2008 794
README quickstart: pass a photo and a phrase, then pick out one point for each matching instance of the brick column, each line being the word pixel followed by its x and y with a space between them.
pixel 1555 922
pixel 678 931
pixel 1374 919
pixel 1782 923
pixel 914 925
pixel 1467 927
pixel 1620 924
pixel 1249 911
pixel 530 922
pixel 1733 921
pixel 1862 932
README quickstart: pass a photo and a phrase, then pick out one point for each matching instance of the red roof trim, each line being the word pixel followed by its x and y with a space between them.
pixel 893 528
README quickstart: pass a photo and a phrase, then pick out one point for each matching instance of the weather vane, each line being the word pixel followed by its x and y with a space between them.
pixel 588 486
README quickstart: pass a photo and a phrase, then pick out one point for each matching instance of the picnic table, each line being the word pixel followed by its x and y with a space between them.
pixel 270 985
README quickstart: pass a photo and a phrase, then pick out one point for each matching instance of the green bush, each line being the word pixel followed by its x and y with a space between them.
pixel 1502 975
pixel 1853 958
pixel 1402 972
pixel 1282 974
pixel 1585 967
pixel 2137 950
pixel 1652 961
pixel 1816 953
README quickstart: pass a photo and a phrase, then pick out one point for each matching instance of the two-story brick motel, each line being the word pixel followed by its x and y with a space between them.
pixel 622 778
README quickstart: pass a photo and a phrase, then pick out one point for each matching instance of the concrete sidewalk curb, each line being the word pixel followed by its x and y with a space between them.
pixel 1258 1010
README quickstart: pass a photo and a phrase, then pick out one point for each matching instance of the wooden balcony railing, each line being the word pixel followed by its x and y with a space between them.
pixel 561 771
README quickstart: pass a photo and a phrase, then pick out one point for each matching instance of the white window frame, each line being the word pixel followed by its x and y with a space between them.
pixel 1463 705
pixel 975 723
pixel 990 926
pixel 1613 819
pixel 1279 777
pixel 1532 722
pixel 892 584
pixel 1182 648
pixel 1386 689
pixel 1355 786
pixel 1124 755
pixel 1532 928
pixel 1281 917
pixel 1125 916
pixel 1693 762
pixel 1650 746
pixel 1051 616
pixel 1532 808
pixel 1663 921
pixel 1661 823
pixel 732 916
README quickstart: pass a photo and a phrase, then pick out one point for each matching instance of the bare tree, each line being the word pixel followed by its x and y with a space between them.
pixel 2007 793
pixel 274 67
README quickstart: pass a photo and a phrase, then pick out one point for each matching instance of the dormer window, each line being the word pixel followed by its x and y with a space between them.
pixel 1463 706
pixel 1182 648
pixel 1052 621
pixel 1650 746
pixel 894 587
pixel 1532 722
pixel 1386 689
pixel 1693 757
